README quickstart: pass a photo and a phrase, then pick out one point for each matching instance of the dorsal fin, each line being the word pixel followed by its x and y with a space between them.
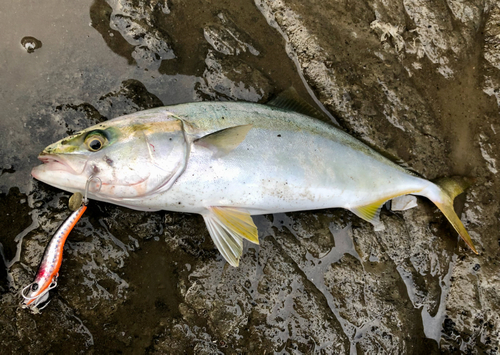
pixel 290 100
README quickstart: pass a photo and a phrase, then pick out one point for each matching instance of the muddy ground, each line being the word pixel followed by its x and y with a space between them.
pixel 415 79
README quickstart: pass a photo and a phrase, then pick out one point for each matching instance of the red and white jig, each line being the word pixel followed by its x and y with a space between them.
pixel 36 294
pixel 46 277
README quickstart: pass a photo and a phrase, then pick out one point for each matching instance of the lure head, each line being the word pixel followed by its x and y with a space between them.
pixel 132 156
pixel 36 294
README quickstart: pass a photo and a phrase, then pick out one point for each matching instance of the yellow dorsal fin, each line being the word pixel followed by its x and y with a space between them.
pixel 228 227
pixel 224 141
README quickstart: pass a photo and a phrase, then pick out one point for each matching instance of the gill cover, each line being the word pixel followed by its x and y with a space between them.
pixel 147 157
pixel 168 152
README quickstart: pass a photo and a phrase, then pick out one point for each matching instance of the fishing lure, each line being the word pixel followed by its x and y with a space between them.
pixel 46 277
pixel 36 294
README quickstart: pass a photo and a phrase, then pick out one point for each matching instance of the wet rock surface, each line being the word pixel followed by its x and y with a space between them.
pixel 417 80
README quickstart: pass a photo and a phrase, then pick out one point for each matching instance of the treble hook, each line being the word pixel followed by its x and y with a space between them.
pixel 87 186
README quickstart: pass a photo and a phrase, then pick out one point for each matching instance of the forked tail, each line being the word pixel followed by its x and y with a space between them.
pixel 449 189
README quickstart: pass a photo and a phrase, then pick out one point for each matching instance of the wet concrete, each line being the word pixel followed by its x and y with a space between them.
pixel 417 80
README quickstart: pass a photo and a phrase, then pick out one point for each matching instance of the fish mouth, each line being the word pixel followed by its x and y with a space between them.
pixel 56 163
pixel 65 173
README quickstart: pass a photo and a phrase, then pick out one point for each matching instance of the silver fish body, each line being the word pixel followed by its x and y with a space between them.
pixel 229 160
pixel 287 162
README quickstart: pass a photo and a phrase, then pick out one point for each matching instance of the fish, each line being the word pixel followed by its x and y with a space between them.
pixel 37 293
pixel 228 161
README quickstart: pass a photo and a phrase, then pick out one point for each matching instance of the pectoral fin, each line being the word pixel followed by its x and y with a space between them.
pixel 227 227
pixel 224 141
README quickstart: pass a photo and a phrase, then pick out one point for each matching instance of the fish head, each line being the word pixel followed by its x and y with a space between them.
pixel 128 157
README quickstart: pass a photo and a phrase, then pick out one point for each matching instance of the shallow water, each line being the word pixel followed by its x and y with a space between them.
pixel 320 282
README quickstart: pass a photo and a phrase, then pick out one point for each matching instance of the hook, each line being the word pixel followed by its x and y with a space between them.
pixel 87 186
pixel 24 296
pixel 39 299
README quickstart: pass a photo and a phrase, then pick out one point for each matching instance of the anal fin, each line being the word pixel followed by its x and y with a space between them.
pixel 228 227
pixel 371 213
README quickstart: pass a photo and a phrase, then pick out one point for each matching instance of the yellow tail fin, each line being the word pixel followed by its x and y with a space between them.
pixel 451 188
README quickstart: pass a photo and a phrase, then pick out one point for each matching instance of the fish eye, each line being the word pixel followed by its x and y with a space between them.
pixel 95 143
pixel 34 287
